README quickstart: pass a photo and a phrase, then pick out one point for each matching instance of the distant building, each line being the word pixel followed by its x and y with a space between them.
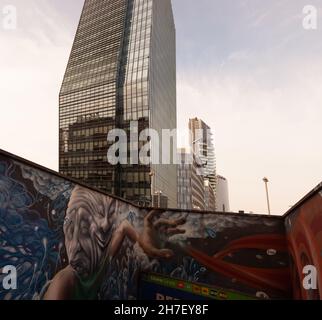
pixel 197 187
pixel 222 195
pixel 191 190
pixel 210 198
pixel 160 201
pixel 184 181
pixel 202 146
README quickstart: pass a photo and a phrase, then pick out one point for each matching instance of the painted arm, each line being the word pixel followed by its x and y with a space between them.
pixel 63 285
pixel 150 238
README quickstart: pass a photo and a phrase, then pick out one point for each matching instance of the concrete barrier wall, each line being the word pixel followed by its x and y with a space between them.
pixel 68 241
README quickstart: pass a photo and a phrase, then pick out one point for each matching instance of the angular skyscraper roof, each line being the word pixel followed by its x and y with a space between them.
pixel 122 68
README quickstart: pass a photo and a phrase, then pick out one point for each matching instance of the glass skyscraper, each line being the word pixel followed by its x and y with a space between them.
pixel 201 142
pixel 122 68
pixel 191 186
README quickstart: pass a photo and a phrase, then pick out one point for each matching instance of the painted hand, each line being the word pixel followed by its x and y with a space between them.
pixel 156 232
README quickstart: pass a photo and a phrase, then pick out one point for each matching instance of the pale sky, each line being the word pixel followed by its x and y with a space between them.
pixel 248 68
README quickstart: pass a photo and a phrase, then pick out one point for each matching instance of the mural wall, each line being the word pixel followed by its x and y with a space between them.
pixel 304 233
pixel 70 242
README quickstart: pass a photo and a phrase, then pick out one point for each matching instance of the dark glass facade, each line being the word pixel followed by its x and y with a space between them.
pixel 113 77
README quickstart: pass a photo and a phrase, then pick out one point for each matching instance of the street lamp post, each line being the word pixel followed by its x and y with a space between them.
pixel 266 181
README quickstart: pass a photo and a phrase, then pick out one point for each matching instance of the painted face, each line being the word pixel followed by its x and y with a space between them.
pixel 88 229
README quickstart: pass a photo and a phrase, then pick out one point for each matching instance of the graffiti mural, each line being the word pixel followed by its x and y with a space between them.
pixel 32 210
pixel 304 234
pixel 70 242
